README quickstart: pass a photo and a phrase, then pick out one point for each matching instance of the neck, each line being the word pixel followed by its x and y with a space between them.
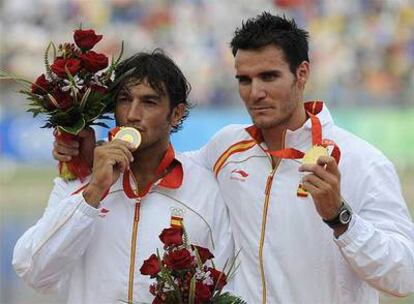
pixel 274 136
pixel 146 162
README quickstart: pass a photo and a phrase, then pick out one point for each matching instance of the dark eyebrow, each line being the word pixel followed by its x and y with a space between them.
pixel 240 76
pixel 270 72
pixel 125 90
pixel 151 96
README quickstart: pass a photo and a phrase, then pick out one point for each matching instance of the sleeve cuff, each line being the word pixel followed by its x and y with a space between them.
pixel 85 208
pixel 352 237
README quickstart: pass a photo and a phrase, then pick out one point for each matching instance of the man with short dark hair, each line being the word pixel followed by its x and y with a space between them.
pixel 294 178
pixel 94 236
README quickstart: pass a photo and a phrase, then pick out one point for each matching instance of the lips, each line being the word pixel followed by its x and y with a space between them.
pixel 140 129
pixel 260 108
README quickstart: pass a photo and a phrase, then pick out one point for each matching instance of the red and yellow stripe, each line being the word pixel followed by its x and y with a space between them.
pixel 236 148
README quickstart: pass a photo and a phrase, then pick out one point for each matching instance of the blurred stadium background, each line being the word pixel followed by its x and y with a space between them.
pixel 362 56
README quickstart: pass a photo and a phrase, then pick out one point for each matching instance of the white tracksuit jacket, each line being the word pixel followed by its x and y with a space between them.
pixel 288 255
pixel 85 254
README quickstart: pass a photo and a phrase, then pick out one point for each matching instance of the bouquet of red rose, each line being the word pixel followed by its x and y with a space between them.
pixel 185 273
pixel 73 92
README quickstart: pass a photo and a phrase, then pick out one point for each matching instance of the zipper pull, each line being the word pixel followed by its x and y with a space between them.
pixel 137 209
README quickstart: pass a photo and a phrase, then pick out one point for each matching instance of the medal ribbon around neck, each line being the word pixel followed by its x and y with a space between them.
pixel 291 153
pixel 319 148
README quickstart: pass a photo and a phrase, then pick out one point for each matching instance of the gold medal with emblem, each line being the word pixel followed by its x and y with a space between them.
pixel 130 135
pixel 311 158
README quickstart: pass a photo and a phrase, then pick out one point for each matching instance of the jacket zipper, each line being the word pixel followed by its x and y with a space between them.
pixel 269 183
pixel 262 236
pixel 134 237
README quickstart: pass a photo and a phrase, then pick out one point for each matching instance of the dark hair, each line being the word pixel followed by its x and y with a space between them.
pixel 161 73
pixel 266 29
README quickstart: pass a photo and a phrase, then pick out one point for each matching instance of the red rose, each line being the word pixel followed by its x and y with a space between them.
pixel 202 293
pixel 153 289
pixel 64 100
pixel 179 259
pixel 100 89
pixel 157 300
pixel 219 278
pixel 41 85
pixel 86 39
pixel 204 253
pixel 151 266
pixel 172 236
pixel 94 62
pixel 58 67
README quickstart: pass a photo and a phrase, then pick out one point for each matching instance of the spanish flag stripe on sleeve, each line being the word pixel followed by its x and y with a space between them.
pixel 237 147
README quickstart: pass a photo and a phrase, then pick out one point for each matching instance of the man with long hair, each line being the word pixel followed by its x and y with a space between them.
pixel 93 236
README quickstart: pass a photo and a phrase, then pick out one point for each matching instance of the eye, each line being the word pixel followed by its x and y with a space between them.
pixel 269 76
pixel 150 101
pixel 123 98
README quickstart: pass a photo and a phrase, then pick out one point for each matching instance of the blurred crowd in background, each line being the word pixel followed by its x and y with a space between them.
pixel 362 51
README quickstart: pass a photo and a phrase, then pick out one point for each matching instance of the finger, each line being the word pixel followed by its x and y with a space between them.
pixel 60 157
pixel 66 144
pixel 66 150
pixel 124 143
pixel 314 169
pixel 309 187
pixel 125 147
pixel 316 181
pixel 121 149
pixel 329 163
pixel 121 159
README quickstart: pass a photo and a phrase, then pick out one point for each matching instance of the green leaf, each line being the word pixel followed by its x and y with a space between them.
pixel 74 129
pixel 66 118
pixel 46 58
pixel 85 98
pixel 7 76
pixel 227 298
pixel 191 292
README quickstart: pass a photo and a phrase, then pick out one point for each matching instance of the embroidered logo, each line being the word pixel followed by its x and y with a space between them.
pixel 103 212
pixel 177 217
pixel 238 174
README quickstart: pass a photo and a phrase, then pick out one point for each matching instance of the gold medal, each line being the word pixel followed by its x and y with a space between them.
pixel 311 157
pixel 130 135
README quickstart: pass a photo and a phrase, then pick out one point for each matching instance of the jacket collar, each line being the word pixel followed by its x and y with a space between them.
pixel 170 168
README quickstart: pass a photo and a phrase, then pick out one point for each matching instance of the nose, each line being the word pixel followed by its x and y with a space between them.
pixel 135 111
pixel 258 91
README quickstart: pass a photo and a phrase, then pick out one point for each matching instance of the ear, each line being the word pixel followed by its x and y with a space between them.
pixel 177 114
pixel 302 74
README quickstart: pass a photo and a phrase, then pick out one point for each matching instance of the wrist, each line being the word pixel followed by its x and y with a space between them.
pixel 340 230
pixel 93 195
pixel 340 222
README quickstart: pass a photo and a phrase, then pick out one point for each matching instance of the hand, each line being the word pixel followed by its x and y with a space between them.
pixel 110 159
pixel 323 184
pixel 85 146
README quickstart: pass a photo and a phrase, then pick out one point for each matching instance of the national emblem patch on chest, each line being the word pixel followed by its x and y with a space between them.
pixel 177 217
